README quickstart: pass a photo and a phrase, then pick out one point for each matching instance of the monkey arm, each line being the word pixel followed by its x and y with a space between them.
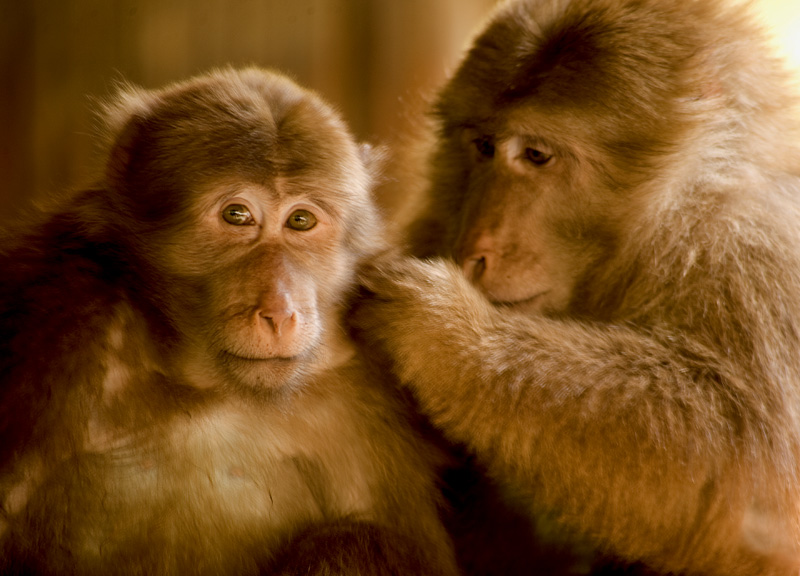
pixel 644 440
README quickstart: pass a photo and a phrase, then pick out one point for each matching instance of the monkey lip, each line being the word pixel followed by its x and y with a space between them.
pixel 255 360
pixel 262 372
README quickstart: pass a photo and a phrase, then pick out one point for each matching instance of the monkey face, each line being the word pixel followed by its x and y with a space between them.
pixel 259 274
pixel 248 210
pixel 510 179
pixel 531 215
pixel 543 152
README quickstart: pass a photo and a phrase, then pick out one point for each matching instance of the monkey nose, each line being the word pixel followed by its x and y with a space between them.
pixel 278 312
pixel 474 267
pixel 476 254
pixel 280 321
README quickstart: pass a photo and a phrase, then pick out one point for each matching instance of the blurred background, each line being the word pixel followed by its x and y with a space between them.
pixel 377 61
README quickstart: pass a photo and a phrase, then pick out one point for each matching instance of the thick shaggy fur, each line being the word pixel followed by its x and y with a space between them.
pixel 619 181
pixel 176 393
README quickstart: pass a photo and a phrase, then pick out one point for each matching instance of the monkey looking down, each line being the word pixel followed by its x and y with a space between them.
pixel 177 394
pixel 609 319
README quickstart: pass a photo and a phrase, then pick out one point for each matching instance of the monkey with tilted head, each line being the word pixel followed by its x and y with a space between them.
pixel 609 319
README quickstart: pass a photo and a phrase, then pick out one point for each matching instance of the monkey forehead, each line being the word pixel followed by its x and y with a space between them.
pixel 250 117
pixel 616 56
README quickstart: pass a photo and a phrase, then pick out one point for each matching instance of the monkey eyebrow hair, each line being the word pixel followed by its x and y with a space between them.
pixel 535 141
pixel 330 209
pixel 484 127
pixel 456 127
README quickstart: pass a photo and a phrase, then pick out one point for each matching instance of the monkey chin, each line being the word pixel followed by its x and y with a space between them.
pixel 222 370
pixel 265 374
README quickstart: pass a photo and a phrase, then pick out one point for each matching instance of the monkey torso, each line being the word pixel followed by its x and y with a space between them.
pixel 238 479
pixel 168 479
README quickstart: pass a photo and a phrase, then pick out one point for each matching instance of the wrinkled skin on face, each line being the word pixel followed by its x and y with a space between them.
pixel 255 313
pixel 527 226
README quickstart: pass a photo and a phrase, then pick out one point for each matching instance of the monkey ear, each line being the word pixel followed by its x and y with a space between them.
pixel 124 151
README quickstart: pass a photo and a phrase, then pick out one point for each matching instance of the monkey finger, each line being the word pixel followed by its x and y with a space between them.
pixel 394 276
pixel 379 275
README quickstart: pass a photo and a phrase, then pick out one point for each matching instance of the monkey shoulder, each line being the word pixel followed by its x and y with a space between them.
pixel 51 291
pixel 732 245
pixel 55 310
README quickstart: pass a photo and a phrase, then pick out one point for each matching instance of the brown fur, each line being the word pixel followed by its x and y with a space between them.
pixel 176 393
pixel 625 358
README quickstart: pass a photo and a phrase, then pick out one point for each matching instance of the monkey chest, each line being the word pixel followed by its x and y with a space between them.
pixel 240 492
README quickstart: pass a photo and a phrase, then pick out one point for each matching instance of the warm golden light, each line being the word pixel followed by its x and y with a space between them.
pixel 783 16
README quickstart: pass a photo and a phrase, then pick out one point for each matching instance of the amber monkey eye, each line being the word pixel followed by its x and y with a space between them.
pixel 301 220
pixel 238 215
pixel 537 156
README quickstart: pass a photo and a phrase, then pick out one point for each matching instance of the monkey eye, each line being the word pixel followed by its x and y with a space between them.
pixel 238 215
pixel 301 220
pixel 537 156
pixel 485 146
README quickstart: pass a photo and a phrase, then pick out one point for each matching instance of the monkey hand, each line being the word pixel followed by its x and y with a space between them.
pixel 414 310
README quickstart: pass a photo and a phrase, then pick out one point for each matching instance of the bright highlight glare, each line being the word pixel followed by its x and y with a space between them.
pixel 783 17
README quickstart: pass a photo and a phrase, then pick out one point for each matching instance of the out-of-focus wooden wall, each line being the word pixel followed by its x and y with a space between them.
pixel 376 60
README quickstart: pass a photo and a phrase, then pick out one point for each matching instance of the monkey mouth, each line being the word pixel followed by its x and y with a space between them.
pixel 264 368
pixel 262 372
pixel 259 360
